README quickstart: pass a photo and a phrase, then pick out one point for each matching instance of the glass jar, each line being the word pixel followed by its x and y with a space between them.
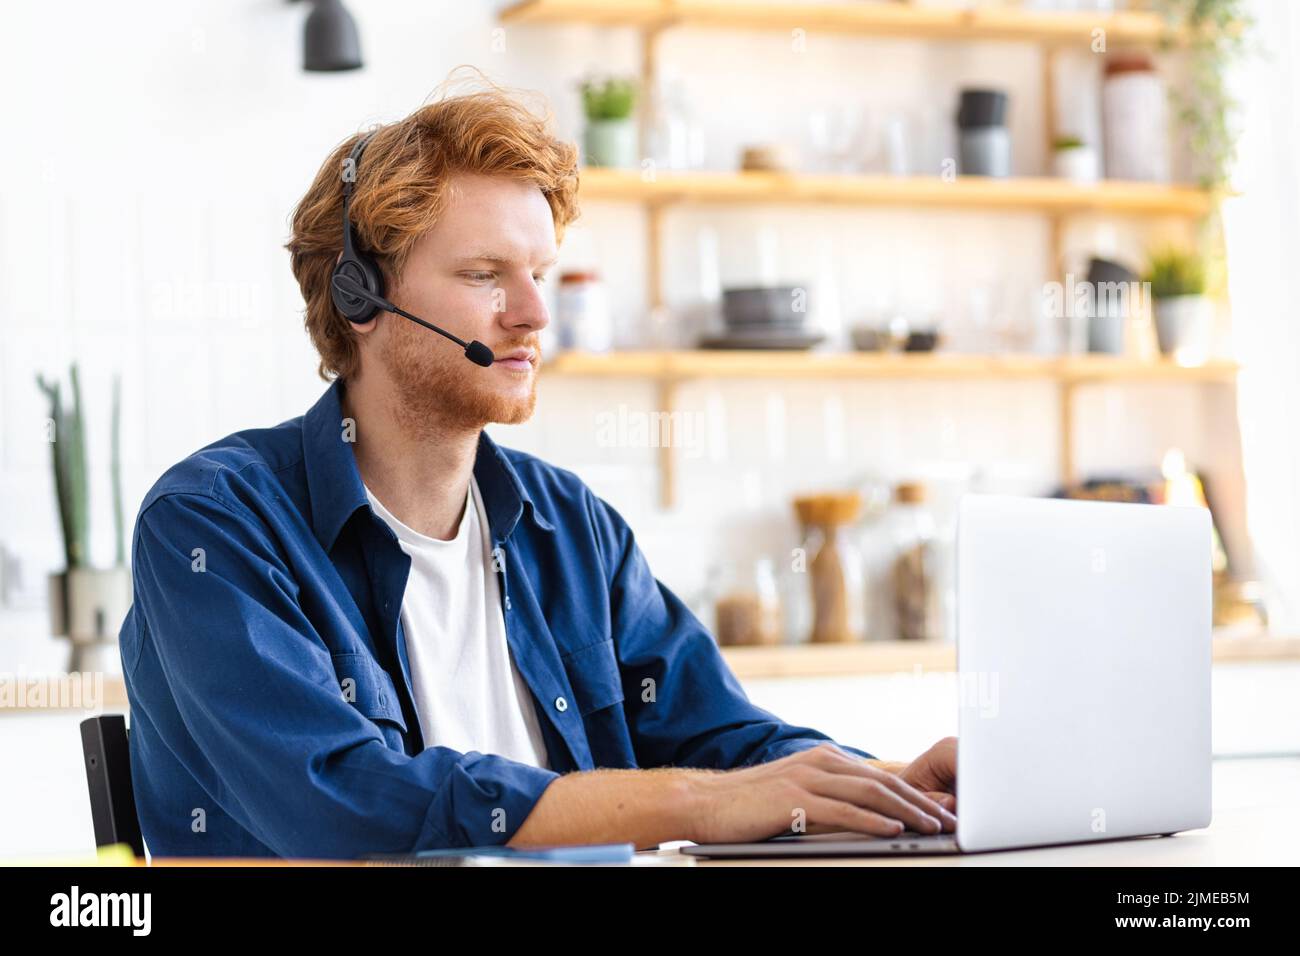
pixel 676 138
pixel 1135 118
pixel 876 546
pixel 747 611
pixel 915 580
pixel 833 565
pixel 582 313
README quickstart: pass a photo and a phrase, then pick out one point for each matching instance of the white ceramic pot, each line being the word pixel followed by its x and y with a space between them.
pixel 1106 333
pixel 1184 327
pixel 610 143
pixel 1078 164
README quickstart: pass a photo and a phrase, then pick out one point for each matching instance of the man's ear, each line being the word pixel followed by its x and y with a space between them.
pixel 365 328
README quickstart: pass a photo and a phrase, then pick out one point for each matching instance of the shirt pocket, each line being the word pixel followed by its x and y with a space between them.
pixel 368 688
pixel 594 676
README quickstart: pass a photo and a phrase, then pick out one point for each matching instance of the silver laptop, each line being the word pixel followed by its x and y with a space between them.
pixel 1083 658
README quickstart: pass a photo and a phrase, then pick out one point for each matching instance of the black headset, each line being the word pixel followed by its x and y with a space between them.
pixel 357 284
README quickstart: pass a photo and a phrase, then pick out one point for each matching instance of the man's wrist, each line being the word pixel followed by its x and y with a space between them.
pixel 695 804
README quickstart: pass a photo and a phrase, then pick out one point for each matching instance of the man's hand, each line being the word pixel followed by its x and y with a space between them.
pixel 817 790
pixel 934 773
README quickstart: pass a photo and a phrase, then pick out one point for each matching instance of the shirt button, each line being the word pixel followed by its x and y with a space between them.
pixel 507 602
pixel 561 704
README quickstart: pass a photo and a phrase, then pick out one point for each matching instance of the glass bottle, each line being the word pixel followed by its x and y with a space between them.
pixel 676 139
pixel 875 544
pixel 915 585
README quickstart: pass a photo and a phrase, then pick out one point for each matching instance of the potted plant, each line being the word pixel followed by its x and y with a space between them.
pixel 87 604
pixel 1075 160
pixel 1184 315
pixel 609 138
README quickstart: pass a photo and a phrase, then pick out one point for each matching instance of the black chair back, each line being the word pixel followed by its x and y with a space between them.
pixel 105 746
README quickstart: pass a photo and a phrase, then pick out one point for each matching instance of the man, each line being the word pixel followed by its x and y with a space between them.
pixel 372 629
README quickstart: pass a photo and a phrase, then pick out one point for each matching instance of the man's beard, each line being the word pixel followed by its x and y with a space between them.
pixel 437 387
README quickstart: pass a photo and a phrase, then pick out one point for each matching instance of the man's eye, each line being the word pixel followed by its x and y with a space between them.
pixel 479 276
pixel 539 279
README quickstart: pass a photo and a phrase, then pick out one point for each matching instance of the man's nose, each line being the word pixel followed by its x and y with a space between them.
pixel 524 307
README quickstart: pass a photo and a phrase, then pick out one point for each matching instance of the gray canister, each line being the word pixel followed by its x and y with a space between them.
pixel 1112 306
pixel 983 138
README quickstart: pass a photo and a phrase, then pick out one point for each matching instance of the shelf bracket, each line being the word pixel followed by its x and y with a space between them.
pixel 1067 449
pixel 666 402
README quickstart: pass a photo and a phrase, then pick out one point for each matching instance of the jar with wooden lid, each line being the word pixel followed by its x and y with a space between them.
pixel 833 565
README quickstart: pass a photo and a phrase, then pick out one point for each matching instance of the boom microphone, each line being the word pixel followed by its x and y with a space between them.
pixel 475 351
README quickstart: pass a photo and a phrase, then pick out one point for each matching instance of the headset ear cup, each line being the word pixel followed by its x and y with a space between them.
pixel 364 272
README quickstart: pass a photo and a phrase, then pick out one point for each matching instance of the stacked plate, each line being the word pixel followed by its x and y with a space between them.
pixel 769 317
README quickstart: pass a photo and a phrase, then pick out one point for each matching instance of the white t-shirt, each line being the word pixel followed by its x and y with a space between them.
pixel 468 693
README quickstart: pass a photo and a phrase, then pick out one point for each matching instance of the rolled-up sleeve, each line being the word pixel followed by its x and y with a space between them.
pixel 685 706
pixel 265 726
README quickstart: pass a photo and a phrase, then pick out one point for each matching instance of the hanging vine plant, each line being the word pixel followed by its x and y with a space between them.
pixel 1214 33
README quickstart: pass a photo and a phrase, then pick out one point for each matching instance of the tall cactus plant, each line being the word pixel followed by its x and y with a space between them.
pixel 68 452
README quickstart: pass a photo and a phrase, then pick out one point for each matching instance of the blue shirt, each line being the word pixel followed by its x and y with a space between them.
pixel 268 677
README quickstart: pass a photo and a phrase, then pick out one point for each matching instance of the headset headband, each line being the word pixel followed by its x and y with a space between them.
pixel 354 161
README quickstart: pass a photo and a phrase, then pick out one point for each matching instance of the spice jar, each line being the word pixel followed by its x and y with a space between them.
pixel 833 565
pixel 914 581
pixel 1135 117
pixel 748 609
pixel 583 314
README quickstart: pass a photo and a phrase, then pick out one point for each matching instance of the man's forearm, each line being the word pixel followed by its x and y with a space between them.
pixel 644 807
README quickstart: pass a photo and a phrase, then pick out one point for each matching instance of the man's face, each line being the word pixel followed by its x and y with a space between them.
pixel 477 273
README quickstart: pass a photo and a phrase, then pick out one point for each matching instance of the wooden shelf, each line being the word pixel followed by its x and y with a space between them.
pixel 1028 194
pixel 861 18
pixel 706 363
pixel 892 657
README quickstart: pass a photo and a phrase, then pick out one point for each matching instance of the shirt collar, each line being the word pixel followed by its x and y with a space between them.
pixel 334 480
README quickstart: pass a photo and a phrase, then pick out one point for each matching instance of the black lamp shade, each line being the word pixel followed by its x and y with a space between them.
pixel 330 41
